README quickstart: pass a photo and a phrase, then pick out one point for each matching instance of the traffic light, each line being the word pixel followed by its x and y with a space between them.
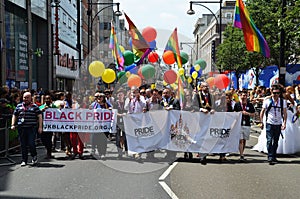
pixel 213 51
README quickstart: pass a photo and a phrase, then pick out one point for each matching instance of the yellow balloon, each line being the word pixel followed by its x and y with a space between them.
pixel 181 71
pixel 127 74
pixel 108 76
pixel 165 83
pixel 190 80
pixel 121 48
pixel 195 74
pixel 96 68
pixel 197 67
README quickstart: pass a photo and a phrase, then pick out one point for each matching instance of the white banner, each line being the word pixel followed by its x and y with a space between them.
pixel 183 131
pixel 79 120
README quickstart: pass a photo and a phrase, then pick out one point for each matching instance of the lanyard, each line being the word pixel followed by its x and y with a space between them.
pixel 275 105
pixel 26 107
pixel 244 107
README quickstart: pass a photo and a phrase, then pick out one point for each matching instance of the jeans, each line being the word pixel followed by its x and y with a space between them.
pixel 272 132
pixel 27 139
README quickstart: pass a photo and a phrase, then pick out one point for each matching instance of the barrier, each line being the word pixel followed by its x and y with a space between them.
pixel 6 144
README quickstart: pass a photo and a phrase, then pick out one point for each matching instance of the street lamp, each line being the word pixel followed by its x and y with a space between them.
pixel 91 19
pixel 191 12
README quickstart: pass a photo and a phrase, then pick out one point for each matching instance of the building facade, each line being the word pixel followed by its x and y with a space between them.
pixel 207 36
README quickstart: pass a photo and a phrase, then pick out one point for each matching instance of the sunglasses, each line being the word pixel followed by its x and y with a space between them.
pixel 276 93
pixel 97 96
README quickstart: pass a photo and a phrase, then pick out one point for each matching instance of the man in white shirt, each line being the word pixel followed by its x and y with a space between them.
pixel 275 109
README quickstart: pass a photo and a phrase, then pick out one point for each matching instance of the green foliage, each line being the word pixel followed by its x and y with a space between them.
pixel 268 18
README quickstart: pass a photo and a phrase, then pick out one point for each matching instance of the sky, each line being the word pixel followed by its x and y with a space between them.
pixel 164 16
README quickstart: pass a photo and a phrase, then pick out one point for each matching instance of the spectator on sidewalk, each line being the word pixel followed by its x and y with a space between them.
pixel 28 117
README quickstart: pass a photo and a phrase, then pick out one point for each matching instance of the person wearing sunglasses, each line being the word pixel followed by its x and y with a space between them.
pixel 274 110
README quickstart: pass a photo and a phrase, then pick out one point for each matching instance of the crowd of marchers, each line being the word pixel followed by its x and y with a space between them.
pixel 26 109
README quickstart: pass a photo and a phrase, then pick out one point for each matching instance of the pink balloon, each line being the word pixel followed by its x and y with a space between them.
pixel 149 34
pixel 170 76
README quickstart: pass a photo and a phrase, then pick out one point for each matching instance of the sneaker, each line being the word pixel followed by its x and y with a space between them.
pixel 203 161
pixel 34 160
pixel 23 164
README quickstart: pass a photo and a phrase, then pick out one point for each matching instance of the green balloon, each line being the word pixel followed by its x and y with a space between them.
pixel 184 57
pixel 128 57
pixel 122 77
pixel 202 63
pixel 148 71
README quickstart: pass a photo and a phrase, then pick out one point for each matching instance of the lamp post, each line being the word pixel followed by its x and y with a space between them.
pixel 92 18
pixel 199 3
pixel 55 4
pixel 282 66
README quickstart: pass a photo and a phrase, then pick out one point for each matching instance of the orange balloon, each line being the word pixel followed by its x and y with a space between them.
pixel 169 57
pixel 134 80
pixel 210 81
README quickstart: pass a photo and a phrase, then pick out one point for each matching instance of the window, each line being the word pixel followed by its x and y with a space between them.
pixel 228 15
pixel 74 27
pixel 64 18
pixel 69 23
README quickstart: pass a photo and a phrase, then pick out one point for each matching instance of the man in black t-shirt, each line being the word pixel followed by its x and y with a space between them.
pixel 248 111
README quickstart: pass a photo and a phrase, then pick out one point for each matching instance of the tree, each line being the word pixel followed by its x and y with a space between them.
pixel 269 18
pixel 233 56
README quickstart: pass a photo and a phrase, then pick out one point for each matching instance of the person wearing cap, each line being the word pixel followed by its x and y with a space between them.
pixel 28 117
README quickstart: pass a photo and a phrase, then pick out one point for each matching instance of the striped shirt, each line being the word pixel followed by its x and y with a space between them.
pixel 27 115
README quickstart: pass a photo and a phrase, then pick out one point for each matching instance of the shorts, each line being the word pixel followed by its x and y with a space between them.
pixel 245 132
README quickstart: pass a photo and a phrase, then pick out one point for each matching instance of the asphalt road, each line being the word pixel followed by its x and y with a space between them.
pixel 127 178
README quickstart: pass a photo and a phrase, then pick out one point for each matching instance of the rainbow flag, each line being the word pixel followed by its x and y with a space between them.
pixel 253 38
pixel 116 51
pixel 180 90
pixel 174 47
pixel 140 46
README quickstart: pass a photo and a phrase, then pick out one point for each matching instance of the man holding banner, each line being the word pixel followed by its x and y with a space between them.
pixel 203 102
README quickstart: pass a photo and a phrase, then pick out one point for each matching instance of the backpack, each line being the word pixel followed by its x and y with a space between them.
pixel 270 106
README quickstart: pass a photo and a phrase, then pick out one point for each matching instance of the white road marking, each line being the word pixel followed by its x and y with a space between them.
pixel 167 172
pixel 168 190
pixel 164 185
